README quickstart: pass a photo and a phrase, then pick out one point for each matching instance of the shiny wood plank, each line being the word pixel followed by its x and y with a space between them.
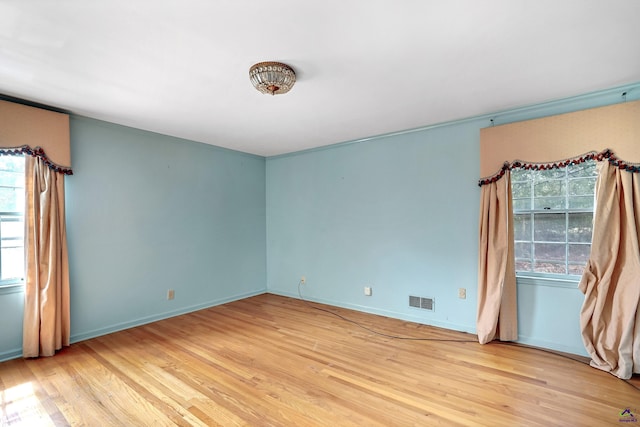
pixel 276 361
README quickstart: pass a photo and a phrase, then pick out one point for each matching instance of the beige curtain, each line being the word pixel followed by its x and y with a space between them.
pixel 610 319
pixel 497 298
pixel 46 311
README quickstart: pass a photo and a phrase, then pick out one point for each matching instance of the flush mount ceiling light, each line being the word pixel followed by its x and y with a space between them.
pixel 273 78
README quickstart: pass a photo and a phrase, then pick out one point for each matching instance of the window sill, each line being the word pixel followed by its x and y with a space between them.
pixel 547 281
pixel 11 288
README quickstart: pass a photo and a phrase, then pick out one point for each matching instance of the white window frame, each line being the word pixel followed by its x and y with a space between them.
pixel 551 279
pixel 8 284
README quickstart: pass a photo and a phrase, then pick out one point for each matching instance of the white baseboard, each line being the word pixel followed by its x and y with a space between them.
pixel 161 316
pixel 387 313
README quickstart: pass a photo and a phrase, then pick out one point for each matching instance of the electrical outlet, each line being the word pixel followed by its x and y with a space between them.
pixel 303 280
pixel 171 294
pixel 462 293
pixel 368 291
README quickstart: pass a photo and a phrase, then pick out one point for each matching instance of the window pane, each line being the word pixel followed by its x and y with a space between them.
pixel 550 174
pixel 580 227
pixel 521 175
pixel 549 188
pixel 12 163
pixel 550 252
pixel 581 202
pixel 11 179
pixel 576 269
pixel 521 189
pixel 550 267
pixel 522 265
pixel 579 254
pixel 521 204
pixel 12 265
pixel 523 250
pixel 11 200
pixel 11 228
pixel 587 168
pixel 549 228
pixel 582 187
pixel 549 203
pixel 10 243
pixel 522 226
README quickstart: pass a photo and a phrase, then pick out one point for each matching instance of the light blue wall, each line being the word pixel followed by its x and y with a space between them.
pixel 548 317
pixel 147 213
pixel 399 213
pixel 11 309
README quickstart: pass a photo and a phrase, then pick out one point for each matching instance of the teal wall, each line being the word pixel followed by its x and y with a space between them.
pixel 399 213
pixel 147 213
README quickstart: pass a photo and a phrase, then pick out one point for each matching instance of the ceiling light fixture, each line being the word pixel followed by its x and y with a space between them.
pixel 273 78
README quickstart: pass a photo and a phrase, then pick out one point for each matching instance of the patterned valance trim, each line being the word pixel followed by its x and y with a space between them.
pixel 35 152
pixel 606 154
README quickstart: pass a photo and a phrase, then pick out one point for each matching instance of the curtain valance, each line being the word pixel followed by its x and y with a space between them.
pixel 547 139
pixel 35 152
pixel 23 126
pixel 606 154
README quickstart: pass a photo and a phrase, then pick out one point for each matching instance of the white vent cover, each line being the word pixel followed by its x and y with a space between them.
pixel 421 302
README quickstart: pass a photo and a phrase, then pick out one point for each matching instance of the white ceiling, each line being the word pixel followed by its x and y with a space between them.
pixel 364 68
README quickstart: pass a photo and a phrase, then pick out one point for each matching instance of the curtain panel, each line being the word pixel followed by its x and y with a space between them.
pixel 610 319
pixel 46 325
pixel 497 298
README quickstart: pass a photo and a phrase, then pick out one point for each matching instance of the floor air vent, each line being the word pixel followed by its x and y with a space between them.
pixel 423 303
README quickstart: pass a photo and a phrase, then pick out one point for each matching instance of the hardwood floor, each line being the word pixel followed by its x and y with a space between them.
pixel 272 361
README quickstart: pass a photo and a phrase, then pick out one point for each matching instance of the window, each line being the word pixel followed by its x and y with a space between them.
pixel 11 219
pixel 553 219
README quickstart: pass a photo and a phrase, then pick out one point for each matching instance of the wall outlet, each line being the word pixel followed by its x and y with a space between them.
pixel 303 280
pixel 462 293
pixel 171 294
pixel 368 291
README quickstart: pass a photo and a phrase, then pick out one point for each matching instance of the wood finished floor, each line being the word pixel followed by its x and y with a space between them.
pixel 274 361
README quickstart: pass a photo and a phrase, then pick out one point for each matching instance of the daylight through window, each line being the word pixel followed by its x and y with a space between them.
pixel 12 201
pixel 553 218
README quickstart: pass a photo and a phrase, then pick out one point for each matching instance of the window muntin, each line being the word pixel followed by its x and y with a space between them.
pixel 12 201
pixel 553 218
